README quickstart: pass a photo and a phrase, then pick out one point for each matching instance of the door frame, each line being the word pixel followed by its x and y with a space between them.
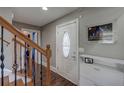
pixel 63 24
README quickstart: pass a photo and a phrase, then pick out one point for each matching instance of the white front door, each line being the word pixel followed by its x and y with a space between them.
pixel 67 50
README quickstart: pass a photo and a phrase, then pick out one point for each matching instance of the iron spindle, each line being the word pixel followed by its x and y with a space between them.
pixel 28 58
pixel 20 59
pixel 41 72
pixel 33 59
pixel 2 57
pixel 25 66
pixel 15 62
pixel 33 65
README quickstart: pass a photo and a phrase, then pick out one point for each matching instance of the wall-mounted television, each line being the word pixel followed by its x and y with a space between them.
pixel 100 32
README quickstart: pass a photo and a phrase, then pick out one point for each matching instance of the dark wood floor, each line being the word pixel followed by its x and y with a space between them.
pixel 57 80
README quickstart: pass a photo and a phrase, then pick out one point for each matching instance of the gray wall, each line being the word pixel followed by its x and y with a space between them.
pixel 90 16
pixel 21 25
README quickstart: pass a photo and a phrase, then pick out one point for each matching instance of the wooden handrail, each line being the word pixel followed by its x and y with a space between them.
pixel 14 31
pixel 20 43
pixel 46 52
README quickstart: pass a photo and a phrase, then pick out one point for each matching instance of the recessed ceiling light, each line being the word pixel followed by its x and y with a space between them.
pixel 44 8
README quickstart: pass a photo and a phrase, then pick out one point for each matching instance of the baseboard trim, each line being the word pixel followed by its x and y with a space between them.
pixel 51 67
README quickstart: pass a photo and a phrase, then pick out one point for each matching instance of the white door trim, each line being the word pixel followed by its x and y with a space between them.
pixel 67 23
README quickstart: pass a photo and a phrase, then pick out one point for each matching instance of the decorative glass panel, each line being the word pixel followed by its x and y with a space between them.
pixel 66 44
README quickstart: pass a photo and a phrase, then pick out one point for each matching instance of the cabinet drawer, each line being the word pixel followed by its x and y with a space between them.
pixel 85 82
pixel 101 75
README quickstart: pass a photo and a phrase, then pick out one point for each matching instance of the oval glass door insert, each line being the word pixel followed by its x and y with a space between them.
pixel 66 44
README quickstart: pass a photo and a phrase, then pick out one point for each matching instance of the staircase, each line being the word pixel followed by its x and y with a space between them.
pixel 25 41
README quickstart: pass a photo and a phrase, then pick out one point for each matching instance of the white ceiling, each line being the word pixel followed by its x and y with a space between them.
pixel 36 16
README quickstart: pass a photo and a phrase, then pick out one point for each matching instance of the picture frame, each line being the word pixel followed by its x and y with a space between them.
pixel 105 38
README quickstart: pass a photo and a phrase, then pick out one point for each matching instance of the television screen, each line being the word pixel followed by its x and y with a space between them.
pixel 99 32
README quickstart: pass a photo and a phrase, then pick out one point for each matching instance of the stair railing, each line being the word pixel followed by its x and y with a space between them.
pixel 17 34
pixel 6 42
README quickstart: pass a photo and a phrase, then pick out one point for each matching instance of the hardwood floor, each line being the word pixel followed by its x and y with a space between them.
pixel 57 80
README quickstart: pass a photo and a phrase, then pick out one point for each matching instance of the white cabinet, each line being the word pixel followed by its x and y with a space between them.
pixel 96 74
pixel 85 81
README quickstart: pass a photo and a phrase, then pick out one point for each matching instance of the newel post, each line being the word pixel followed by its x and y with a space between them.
pixel 48 72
